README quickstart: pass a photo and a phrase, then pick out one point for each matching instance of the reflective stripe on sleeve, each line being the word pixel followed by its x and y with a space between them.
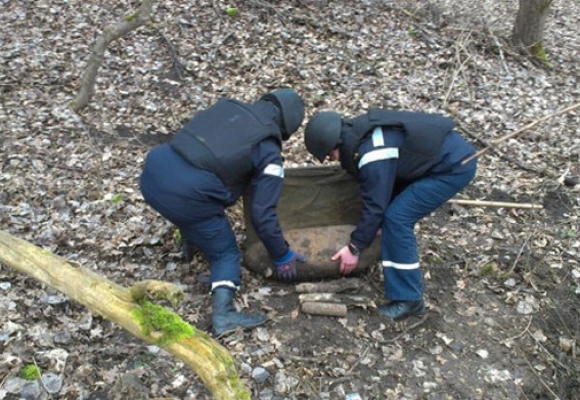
pixel 378 155
pixel 378 139
pixel 390 264
pixel 274 170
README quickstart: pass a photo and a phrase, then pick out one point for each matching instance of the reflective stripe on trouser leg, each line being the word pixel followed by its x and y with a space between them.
pixel 216 240
pixel 403 278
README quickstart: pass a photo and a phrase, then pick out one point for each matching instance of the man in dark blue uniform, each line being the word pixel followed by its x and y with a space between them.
pixel 220 153
pixel 408 164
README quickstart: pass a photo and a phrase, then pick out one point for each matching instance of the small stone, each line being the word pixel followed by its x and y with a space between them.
pixel 62 337
pixel 52 382
pixel 153 349
pixel 55 299
pixel 510 282
pixel 14 385
pixel 246 368
pixel 260 375
pixel 571 181
pixel 31 390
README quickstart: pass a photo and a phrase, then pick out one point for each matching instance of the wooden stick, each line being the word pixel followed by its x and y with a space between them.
pixel 319 308
pixel 525 128
pixel 333 298
pixel 334 286
pixel 482 203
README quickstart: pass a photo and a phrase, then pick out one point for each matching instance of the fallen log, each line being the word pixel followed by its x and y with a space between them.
pixel 131 309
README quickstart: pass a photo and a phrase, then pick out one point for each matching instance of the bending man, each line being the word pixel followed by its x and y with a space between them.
pixel 219 154
pixel 408 164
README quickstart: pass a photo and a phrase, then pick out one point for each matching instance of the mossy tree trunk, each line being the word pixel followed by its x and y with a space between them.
pixel 211 361
pixel 529 27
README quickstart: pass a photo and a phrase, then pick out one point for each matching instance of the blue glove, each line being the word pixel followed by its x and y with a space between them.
pixel 286 266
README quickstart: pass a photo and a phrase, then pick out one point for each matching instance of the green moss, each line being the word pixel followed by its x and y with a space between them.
pixel 154 318
pixel 544 7
pixel 131 17
pixel 30 372
pixel 539 53
pixel 488 269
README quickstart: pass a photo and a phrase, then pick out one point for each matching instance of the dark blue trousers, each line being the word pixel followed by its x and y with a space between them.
pixel 194 201
pixel 401 268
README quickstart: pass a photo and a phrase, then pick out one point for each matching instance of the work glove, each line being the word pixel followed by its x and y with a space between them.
pixel 286 268
pixel 348 261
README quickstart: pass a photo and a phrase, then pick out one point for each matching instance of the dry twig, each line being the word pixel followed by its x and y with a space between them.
pixel 482 203
pixel 519 131
pixel 110 34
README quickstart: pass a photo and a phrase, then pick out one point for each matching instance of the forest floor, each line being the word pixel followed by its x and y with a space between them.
pixel 502 283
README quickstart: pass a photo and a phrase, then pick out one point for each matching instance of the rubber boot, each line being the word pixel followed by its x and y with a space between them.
pixel 399 310
pixel 225 318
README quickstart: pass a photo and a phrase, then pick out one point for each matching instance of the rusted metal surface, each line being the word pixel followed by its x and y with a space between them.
pixel 318 245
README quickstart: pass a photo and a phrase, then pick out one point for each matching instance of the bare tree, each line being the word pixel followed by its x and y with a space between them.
pixel 529 27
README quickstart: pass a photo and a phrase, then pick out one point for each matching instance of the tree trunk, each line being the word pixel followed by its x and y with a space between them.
pixel 529 26
pixel 211 361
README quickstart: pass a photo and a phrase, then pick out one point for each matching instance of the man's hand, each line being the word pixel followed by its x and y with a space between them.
pixel 286 267
pixel 348 261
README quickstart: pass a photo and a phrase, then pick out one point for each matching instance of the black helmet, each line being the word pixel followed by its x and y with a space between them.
pixel 291 106
pixel 322 133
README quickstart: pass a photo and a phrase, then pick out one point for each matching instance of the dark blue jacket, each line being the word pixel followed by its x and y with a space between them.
pixel 197 194
pixel 378 178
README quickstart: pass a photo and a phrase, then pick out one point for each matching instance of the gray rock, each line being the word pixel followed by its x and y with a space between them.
pixel 51 382
pixel 260 375
pixel 14 385
pixel 284 383
pixel 62 337
pixel 32 391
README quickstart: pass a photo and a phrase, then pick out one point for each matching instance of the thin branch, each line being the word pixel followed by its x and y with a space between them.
pixel 519 131
pixel 456 73
pixel 110 34
pixel 520 252
pixel 178 66
pixel 482 203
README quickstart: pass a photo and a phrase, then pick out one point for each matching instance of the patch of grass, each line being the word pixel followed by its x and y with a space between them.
pixel 488 269
pixel 568 234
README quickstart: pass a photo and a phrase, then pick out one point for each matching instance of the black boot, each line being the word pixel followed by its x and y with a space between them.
pixel 225 318
pixel 399 310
